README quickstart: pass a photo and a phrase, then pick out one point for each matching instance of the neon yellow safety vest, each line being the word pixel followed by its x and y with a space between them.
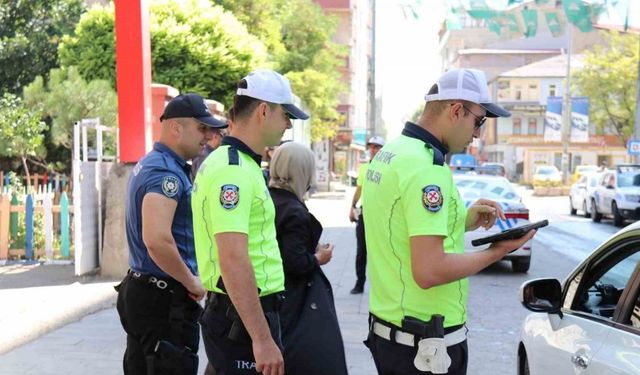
pixel 406 194
pixel 230 195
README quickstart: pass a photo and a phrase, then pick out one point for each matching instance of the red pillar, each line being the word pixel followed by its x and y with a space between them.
pixel 133 80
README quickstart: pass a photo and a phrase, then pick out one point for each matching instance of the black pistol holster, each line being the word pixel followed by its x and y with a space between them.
pixel 422 329
pixel 173 355
pixel 431 355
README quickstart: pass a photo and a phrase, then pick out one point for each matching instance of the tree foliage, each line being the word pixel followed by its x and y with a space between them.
pixel 310 59
pixel 20 130
pixel 314 64
pixel 30 32
pixel 609 78
pixel 195 47
pixel 67 98
pixel 262 18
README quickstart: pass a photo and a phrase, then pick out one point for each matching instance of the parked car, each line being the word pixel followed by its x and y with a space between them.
pixel 496 169
pixel 583 169
pixel 590 323
pixel 547 175
pixel 581 193
pixel 617 194
pixel 497 188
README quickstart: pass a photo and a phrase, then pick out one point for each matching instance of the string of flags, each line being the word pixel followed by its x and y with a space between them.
pixel 526 17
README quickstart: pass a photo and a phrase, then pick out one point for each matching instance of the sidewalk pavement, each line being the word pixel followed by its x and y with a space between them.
pixel 41 299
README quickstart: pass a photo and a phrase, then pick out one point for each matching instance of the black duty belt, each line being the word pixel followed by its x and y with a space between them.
pixel 269 303
pixel 160 283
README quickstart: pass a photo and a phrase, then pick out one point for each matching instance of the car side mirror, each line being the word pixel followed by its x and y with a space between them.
pixel 542 295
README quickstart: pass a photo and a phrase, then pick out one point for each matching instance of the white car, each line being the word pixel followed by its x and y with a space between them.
pixel 473 187
pixel 617 194
pixel 582 192
pixel 590 324
pixel 547 175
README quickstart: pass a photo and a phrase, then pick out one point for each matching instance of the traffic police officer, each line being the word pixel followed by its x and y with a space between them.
pixel 157 300
pixel 235 233
pixel 374 145
pixel 415 223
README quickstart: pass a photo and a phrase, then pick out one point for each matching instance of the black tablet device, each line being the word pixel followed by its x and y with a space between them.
pixel 510 234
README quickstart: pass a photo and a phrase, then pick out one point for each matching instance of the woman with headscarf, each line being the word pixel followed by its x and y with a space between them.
pixel 310 331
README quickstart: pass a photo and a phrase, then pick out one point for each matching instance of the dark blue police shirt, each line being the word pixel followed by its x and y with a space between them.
pixel 160 171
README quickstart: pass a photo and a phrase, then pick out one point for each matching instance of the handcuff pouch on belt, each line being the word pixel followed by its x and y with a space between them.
pixel 432 350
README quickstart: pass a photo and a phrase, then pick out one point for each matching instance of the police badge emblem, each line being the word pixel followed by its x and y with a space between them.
pixel 229 196
pixel 432 198
pixel 170 186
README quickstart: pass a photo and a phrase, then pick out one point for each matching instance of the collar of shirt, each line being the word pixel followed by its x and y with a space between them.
pixel 414 131
pixel 161 147
pixel 241 146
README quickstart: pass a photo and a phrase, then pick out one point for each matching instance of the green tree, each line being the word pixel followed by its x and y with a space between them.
pixel 20 130
pixel 67 98
pixel 313 63
pixel 609 78
pixel 195 47
pixel 30 32
pixel 309 58
pixel 262 18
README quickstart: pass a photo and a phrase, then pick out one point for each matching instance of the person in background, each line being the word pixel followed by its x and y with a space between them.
pixel 208 148
pixel 355 215
pixel 310 331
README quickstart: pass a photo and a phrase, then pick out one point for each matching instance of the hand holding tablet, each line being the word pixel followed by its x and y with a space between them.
pixel 510 234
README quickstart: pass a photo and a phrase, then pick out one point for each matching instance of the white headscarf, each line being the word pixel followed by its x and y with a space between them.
pixel 292 168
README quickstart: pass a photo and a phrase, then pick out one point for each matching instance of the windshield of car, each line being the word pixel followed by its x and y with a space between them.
pixel 628 179
pixel 586 168
pixel 547 170
pixel 471 187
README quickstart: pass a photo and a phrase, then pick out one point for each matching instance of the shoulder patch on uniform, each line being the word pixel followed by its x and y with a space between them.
pixel 170 186
pixel 229 196
pixel 432 198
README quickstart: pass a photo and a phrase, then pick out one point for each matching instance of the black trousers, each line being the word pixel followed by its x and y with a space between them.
pixel 144 311
pixel 228 345
pixel 361 250
pixel 397 359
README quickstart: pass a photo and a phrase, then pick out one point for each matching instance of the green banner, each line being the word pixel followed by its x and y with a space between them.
pixel 512 24
pixel 530 17
pixel 553 22
pixel 579 14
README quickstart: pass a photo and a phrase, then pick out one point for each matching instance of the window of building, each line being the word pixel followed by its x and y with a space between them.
pixel 518 92
pixel 533 126
pixel 552 90
pixel 517 126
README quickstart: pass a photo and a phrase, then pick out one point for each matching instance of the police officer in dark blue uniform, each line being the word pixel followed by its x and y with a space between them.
pixel 157 300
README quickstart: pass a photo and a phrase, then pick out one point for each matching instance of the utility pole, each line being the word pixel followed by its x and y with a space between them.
pixel 566 109
pixel 636 127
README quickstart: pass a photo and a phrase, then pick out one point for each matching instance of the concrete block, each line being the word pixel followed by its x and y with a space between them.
pixel 115 251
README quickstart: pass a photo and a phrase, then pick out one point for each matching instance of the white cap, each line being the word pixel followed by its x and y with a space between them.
pixel 376 140
pixel 274 88
pixel 465 84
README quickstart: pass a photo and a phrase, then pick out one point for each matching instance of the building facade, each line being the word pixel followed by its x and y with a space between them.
pixel 355 30
pixel 519 141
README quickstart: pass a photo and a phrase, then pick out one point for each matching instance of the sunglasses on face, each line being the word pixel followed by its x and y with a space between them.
pixel 479 119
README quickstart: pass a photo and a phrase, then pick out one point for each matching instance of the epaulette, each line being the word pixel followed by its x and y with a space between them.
pixel 234 158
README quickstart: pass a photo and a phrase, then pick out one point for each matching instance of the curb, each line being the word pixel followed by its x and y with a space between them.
pixel 45 315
